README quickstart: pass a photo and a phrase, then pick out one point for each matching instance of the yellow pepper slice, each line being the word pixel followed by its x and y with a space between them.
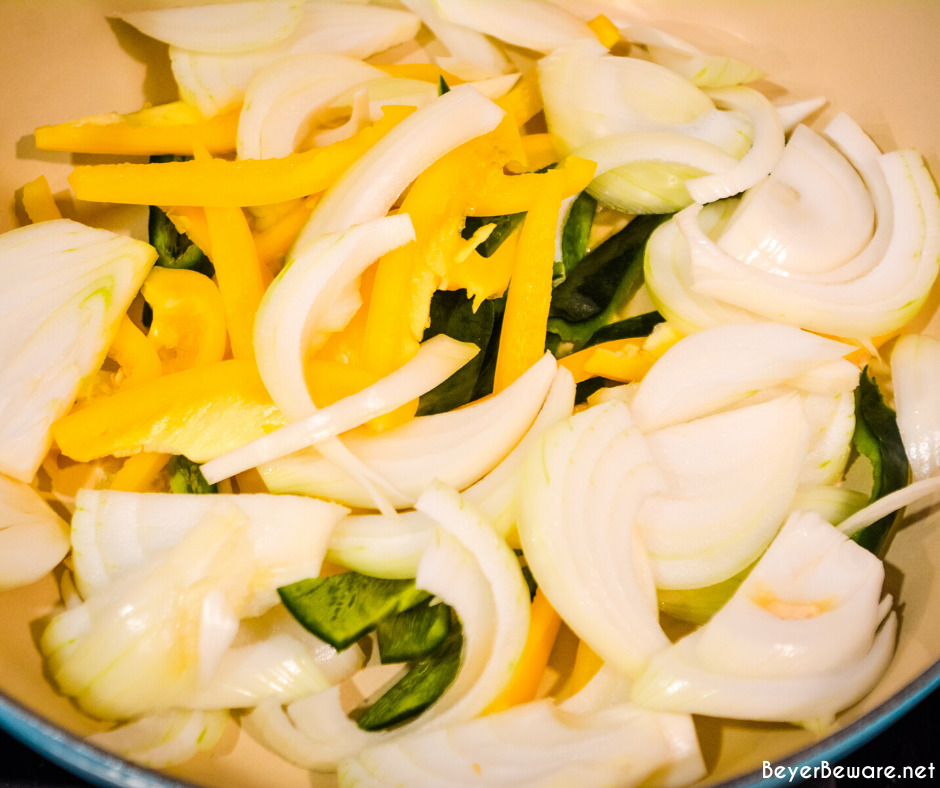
pixel 224 183
pixel 506 194
pixel 522 339
pixel 134 353
pixel 139 471
pixel 168 128
pixel 540 150
pixel 200 413
pixel 239 274
pixel 38 202
pixel 483 277
pixel 544 624
pixel 586 665
pixel 605 30
pixel 191 221
pixel 188 327
pixel 524 100
pixel 274 242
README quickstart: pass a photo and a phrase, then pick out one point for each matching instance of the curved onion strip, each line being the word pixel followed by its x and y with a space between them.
pixel 472 55
pixel 915 377
pixel 674 53
pixel 470 568
pixel 667 268
pixel 166 739
pixel 436 360
pixel 114 533
pixel 785 223
pixel 64 289
pixel 796 112
pixel 33 538
pixel 459 447
pixel 369 188
pixel 214 83
pixel 359 117
pixel 526 23
pixel 581 489
pixel 833 504
pixel 796 642
pixel 726 499
pixel 763 156
pixel 219 29
pixel 832 423
pixel 589 94
pixel 719 366
pixel 316 293
pixel 874 303
pixel 283 96
pixel 892 502
pixel 383 546
pixel 537 744
pixel 280 667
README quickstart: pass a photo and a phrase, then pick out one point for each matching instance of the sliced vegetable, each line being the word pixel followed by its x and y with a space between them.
pixel 33 538
pixel 185 477
pixel 342 608
pixel 413 633
pixel 915 362
pixel 175 249
pixel 63 290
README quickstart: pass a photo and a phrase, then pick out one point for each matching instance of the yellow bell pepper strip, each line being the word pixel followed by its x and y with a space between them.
pixel 506 194
pixel 522 338
pixel 239 274
pixel 139 472
pixel 224 183
pixel 188 326
pixel 135 354
pixel 274 242
pixel 483 277
pixel 38 202
pixel 605 30
pixel 540 150
pixel 200 413
pixel 524 100
pixel 586 665
pixel 407 277
pixel 190 220
pixel 166 129
pixel 544 624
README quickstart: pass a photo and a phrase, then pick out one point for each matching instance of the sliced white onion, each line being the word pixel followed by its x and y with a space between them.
pixel 615 151
pixel 214 83
pixel 912 493
pixel 279 667
pixel 283 97
pixel 166 739
pixel 796 642
pixel 709 71
pixel 115 533
pixel 796 112
pixel 458 447
pixel 384 546
pixel 537 744
pixel 315 294
pixel 875 302
pixel 831 420
pixel 915 376
pixel 833 504
pixel 759 161
pixel 667 270
pixel 469 567
pixel 581 490
pixel 384 91
pixel 64 288
pixel 436 360
pixel 369 188
pixel 719 366
pixel 526 23
pixel 147 623
pixel 33 538
pixel 219 29
pixel 785 223
pixel 472 55
pixel 726 498
pixel 590 94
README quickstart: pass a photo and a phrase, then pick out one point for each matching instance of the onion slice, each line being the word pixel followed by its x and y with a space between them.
pixel 798 641
pixel 458 447
pixel 581 490
pixel 436 360
pixel 915 376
